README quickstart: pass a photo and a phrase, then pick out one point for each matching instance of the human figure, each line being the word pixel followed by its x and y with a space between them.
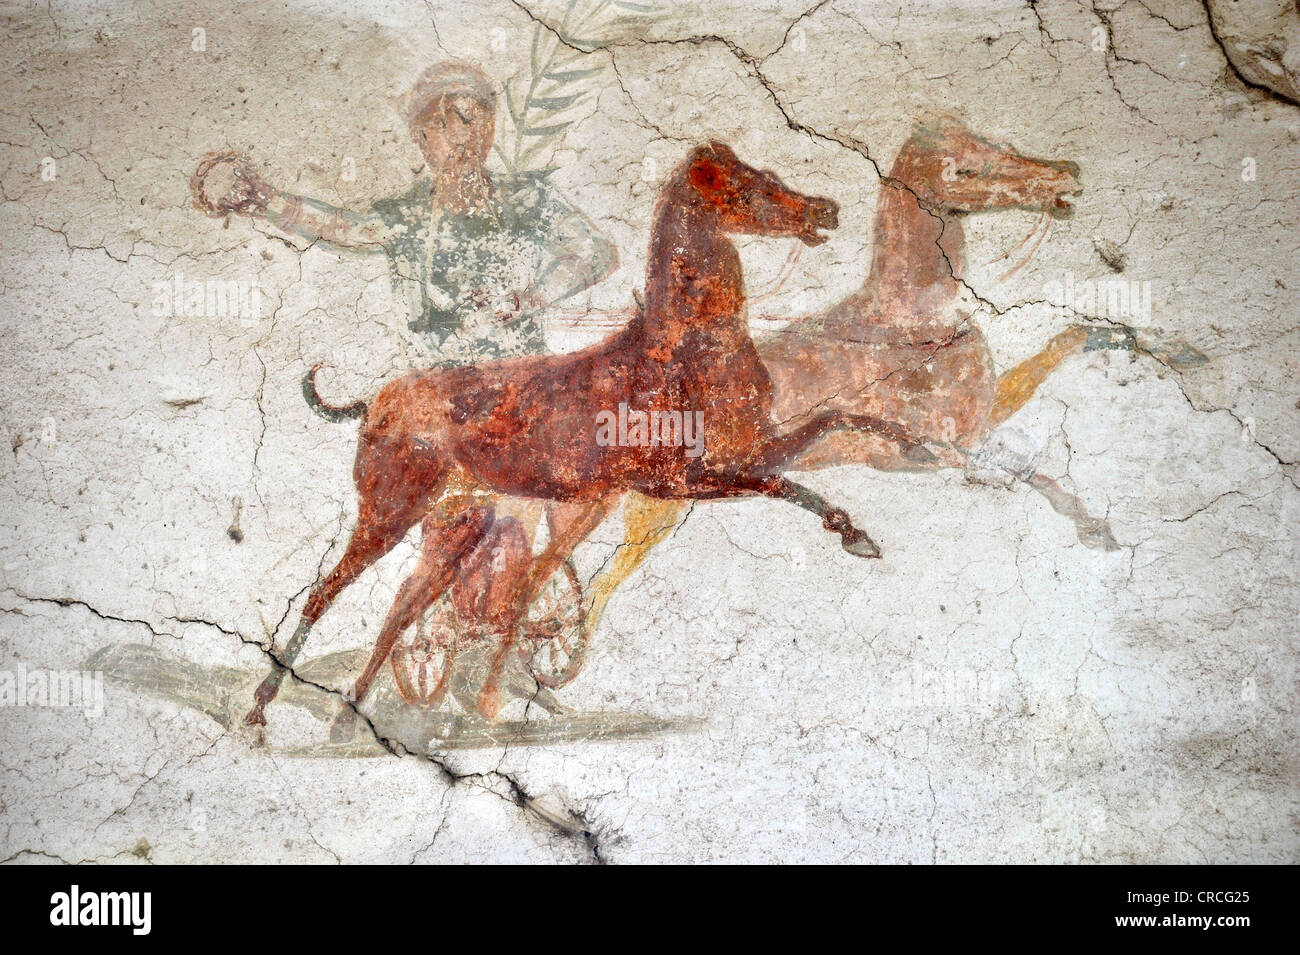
pixel 475 257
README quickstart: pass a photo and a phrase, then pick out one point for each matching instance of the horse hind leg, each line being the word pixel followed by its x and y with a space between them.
pixel 368 543
pixel 389 508
pixel 570 525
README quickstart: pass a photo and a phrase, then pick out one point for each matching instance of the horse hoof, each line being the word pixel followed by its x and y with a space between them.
pixel 1175 353
pixel 920 454
pixel 859 544
pixel 253 729
pixel 489 702
pixel 344 726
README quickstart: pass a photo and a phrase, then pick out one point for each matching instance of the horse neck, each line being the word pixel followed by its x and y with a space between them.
pixel 916 252
pixel 693 277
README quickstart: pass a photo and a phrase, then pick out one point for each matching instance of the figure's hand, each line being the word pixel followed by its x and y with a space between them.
pixel 520 304
pixel 484 309
pixel 227 182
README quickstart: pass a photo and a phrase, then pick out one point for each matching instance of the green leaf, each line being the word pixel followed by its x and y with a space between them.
pixel 547 130
pixel 638 21
pixel 526 156
pixel 568 76
pixel 554 104
pixel 505 160
pixel 568 15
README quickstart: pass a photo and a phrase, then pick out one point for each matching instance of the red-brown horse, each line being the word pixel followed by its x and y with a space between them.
pixel 432 442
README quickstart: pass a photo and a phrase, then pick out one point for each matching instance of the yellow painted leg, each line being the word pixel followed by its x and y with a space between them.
pixel 1017 386
pixel 647 522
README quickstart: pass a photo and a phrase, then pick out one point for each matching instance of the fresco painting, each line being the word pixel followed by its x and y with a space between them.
pixel 901 346
pixel 618 285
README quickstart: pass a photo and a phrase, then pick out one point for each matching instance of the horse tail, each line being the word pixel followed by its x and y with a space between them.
pixel 334 413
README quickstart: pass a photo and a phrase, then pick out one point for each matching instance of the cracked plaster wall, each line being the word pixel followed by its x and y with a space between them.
pixel 1143 701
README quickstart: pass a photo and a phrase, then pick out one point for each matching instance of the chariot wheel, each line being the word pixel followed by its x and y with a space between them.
pixel 422 666
pixel 553 643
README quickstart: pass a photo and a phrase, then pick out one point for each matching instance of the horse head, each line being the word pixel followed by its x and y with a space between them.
pixel 741 200
pixel 952 169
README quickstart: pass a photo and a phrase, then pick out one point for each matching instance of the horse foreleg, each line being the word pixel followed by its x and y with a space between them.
pixel 1093 532
pixel 778 451
pixel 570 524
pixel 648 522
pixel 1015 387
pixel 834 519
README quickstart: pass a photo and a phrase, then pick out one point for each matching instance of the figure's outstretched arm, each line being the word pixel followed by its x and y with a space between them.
pixel 228 182
pixel 316 220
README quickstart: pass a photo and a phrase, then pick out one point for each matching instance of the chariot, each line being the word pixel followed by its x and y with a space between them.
pixel 552 646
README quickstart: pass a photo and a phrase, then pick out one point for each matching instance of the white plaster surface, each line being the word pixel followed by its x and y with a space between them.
pixel 1137 705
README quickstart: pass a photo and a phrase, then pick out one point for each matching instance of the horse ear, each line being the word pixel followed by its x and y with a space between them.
pixel 705 173
pixel 940 122
pixel 708 167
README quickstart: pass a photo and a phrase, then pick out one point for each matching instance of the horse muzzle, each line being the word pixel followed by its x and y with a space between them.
pixel 821 214
pixel 1059 205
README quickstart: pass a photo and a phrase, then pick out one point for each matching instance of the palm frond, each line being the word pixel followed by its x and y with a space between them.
pixel 545 102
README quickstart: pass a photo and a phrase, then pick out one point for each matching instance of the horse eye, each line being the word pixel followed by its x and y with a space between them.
pixel 706 176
